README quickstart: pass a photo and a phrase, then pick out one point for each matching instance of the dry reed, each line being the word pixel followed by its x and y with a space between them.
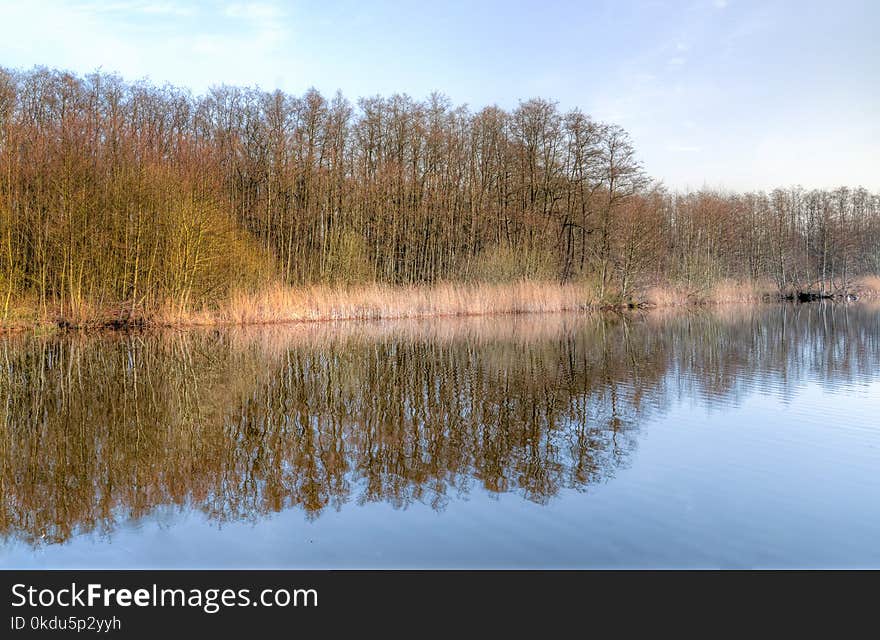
pixel 279 304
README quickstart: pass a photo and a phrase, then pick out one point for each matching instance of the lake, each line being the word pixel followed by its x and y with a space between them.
pixel 735 437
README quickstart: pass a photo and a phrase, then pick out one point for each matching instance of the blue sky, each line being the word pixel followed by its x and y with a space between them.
pixel 723 93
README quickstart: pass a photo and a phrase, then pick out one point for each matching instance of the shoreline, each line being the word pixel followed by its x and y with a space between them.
pixel 280 305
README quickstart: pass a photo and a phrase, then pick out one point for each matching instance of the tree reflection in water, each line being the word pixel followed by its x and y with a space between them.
pixel 239 423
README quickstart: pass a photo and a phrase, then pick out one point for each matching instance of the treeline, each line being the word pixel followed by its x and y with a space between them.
pixel 131 195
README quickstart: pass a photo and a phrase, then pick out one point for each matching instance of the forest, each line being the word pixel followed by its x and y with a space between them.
pixel 127 201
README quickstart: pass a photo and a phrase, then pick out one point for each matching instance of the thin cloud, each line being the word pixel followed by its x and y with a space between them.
pixel 151 8
pixel 255 11
pixel 266 21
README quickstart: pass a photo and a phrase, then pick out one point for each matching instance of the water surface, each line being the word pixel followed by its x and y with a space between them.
pixel 741 437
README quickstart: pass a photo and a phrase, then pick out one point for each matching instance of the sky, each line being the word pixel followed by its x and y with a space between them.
pixel 724 94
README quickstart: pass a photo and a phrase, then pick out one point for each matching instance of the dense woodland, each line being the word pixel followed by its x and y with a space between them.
pixel 130 195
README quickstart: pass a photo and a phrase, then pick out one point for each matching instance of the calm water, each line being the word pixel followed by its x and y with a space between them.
pixel 747 437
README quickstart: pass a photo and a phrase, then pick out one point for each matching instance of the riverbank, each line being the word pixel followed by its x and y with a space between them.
pixel 280 304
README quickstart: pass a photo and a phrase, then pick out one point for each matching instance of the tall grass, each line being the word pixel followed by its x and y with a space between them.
pixel 279 304
pixel 722 292
pixel 868 286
